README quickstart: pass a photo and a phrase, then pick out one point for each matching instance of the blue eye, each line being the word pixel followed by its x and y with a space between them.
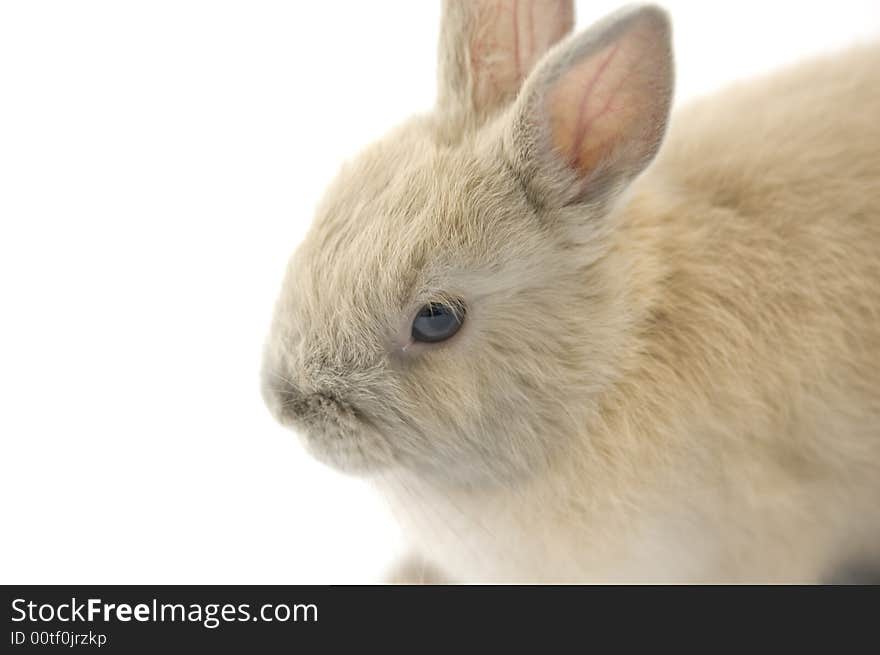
pixel 437 322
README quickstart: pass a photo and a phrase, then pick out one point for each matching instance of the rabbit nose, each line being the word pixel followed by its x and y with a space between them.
pixel 290 402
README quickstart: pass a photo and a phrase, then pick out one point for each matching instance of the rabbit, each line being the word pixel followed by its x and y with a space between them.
pixel 572 340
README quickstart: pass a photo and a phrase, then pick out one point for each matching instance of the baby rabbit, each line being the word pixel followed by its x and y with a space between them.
pixel 572 343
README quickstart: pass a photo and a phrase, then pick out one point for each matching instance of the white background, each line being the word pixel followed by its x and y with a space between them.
pixel 158 163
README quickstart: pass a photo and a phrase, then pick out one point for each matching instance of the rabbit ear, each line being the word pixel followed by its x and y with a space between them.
pixel 488 47
pixel 594 113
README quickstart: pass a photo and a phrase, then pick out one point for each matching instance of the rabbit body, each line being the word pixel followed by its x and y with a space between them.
pixel 682 385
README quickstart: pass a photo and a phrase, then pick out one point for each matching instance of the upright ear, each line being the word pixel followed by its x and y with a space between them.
pixel 488 47
pixel 593 114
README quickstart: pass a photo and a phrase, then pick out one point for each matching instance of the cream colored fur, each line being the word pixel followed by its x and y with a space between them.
pixel 673 380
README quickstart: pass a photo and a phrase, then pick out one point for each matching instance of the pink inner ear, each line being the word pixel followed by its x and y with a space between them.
pixel 509 38
pixel 597 106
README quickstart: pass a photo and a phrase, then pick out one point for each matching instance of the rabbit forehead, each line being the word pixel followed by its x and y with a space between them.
pixel 411 215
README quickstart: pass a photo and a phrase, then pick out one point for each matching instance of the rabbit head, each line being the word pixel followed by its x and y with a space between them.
pixel 454 309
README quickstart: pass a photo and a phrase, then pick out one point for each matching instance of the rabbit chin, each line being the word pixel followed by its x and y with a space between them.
pixel 362 450
pixel 356 451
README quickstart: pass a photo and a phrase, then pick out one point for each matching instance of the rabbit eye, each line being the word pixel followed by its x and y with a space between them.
pixel 437 321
